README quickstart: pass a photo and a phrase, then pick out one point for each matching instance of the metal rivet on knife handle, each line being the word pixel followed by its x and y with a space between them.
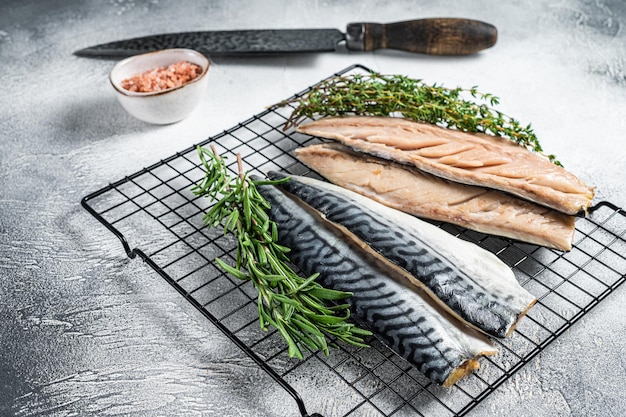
pixel 355 36
pixel 436 36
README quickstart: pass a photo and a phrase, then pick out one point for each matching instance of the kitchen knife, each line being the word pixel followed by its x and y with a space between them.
pixel 437 36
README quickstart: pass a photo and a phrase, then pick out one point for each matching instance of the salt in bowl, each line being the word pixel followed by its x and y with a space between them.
pixel 165 106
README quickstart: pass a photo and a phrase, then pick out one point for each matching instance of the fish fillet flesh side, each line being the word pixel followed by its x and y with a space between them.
pixel 424 195
pixel 469 158
pixel 472 283
pixel 408 322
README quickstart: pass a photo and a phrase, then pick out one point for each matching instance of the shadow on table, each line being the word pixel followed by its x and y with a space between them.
pixel 97 118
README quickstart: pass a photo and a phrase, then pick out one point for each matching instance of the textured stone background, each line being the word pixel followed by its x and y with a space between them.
pixel 86 331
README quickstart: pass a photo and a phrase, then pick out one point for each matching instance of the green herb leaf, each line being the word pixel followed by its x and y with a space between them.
pixel 303 312
pixel 397 95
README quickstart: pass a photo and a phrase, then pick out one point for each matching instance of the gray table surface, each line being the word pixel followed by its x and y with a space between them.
pixel 86 331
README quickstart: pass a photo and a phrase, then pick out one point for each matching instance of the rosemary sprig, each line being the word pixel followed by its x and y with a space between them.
pixel 396 95
pixel 301 309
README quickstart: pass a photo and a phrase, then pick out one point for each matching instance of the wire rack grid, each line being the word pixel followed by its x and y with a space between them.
pixel 157 218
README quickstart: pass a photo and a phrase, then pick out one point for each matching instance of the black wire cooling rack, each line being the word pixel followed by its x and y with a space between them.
pixel 158 219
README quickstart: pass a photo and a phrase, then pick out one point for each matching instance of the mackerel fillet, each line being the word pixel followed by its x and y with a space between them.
pixel 468 158
pixel 424 195
pixel 418 330
pixel 470 282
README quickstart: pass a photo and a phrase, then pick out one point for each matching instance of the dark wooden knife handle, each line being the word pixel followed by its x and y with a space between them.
pixel 436 36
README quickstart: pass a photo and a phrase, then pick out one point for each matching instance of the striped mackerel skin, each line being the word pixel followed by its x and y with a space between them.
pixel 414 327
pixel 472 282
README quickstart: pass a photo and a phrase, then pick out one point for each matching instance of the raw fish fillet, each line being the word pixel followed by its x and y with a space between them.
pixel 416 192
pixel 468 158
pixel 469 281
pixel 407 321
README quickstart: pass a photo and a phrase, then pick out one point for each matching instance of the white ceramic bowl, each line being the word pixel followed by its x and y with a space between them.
pixel 162 107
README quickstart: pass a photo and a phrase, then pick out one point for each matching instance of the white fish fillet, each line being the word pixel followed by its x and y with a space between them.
pixel 416 192
pixel 469 281
pixel 407 320
pixel 468 158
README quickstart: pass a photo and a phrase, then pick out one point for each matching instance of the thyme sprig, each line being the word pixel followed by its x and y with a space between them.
pixel 396 95
pixel 303 311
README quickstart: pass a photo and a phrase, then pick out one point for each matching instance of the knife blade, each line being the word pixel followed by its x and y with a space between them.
pixel 436 36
